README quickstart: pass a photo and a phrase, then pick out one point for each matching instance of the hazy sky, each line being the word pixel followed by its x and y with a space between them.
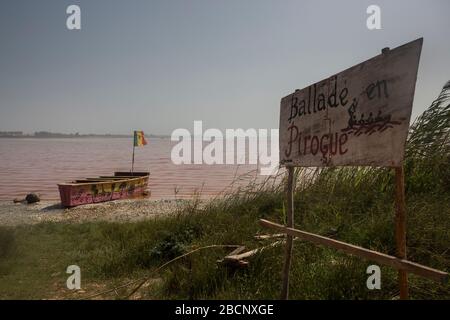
pixel 160 65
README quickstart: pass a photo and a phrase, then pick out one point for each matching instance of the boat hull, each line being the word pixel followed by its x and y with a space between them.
pixel 103 189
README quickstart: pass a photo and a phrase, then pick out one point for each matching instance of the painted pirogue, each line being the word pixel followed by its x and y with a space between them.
pixel 104 188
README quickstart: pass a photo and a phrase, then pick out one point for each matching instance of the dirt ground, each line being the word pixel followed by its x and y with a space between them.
pixel 12 214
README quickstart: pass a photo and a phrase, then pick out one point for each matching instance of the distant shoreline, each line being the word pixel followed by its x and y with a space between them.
pixel 85 136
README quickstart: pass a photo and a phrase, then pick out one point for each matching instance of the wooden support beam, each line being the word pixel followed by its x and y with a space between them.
pixel 236 257
pixel 394 262
pixel 289 240
pixel 400 229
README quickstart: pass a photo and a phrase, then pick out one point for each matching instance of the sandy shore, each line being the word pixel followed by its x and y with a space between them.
pixel 12 214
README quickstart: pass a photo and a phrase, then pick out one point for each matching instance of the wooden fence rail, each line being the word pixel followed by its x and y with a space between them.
pixel 394 262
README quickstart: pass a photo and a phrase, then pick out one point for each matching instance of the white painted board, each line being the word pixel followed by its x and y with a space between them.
pixel 358 117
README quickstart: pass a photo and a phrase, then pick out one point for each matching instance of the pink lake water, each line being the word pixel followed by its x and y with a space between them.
pixel 37 165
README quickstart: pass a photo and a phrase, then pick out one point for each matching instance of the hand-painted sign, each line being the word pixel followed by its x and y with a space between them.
pixel 357 117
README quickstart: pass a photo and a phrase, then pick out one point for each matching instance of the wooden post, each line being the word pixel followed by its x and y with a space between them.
pixel 289 238
pixel 400 228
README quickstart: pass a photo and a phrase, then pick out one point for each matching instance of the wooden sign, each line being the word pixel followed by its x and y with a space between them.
pixel 357 117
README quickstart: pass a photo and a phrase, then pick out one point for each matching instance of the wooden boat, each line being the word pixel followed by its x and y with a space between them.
pixel 104 188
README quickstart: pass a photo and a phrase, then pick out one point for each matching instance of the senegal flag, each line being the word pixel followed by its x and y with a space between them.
pixel 139 139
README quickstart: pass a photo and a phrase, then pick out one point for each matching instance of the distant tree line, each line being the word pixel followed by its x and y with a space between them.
pixel 48 134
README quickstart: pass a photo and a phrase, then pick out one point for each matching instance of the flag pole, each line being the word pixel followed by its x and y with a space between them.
pixel 134 146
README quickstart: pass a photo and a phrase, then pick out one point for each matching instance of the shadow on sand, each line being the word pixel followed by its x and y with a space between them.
pixel 52 207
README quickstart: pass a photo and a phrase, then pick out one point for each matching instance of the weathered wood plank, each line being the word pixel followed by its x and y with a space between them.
pixel 270 236
pixel 251 253
pixel 289 240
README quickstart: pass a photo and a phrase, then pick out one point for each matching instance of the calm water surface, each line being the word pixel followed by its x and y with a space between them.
pixel 37 165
